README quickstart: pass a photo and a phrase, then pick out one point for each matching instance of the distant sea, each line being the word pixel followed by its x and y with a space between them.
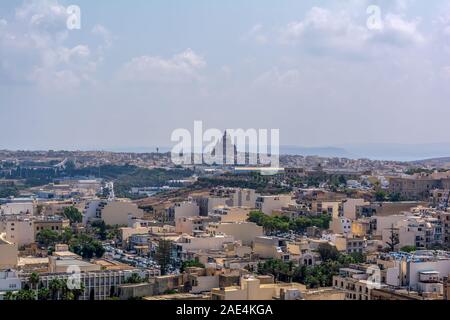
pixel 385 151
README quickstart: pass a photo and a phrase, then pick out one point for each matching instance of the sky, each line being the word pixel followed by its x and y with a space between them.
pixel 324 73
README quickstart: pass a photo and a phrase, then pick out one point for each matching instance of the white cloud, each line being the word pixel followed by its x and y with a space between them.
pixel 34 48
pixel 182 67
pixel 446 71
pixel 279 79
pixel 399 32
pixel 45 14
pixel 104 33
pixel 226 70
pixel 323 31
pixel 256 34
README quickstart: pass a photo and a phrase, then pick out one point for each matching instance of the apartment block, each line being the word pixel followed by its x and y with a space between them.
pixel 271 248
pixel 246 232
pixel 267 204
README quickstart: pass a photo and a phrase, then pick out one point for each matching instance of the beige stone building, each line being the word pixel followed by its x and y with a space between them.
pixel 8 253
pixel 267 204
pixel 19 231
pixel 120 212
pixel 53 223
pixel 243 231
pixel 419 186
pixel 230 214
pixel 252 288
pixel 354 283
pixel 271 248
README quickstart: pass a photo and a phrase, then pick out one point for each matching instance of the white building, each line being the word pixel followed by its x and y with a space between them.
pixel 419 272
pixel 17 208
pixel 186 246
pixel 115 212
pixel 98 285
pixel 9 282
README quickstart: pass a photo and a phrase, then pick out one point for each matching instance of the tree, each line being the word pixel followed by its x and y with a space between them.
pixel 55 286
pixel 66 236
pixel 87 247
pixel 98 249
pixel 189 264
pixel 163 255
pixel 113 232
pixel 73 214
pixel 256 217
pixel 283 224
pixel 358 257
pixel 25 294
pixel 281 271
pixel 47 238
pixel 43 294
pixel 134 278
pixel 77 293
pixel 395 197
pixel 393 238
pixel 100 229
pixel 34 281
pixel 408 248
pixel 380 195
pixel 9 296
pixel 328 252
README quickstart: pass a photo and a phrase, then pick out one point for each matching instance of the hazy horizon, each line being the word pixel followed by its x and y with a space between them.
pixel 389 152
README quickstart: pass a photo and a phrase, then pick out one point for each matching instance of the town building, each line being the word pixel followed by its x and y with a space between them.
pixel 246 232
pixel 251 288
pixel 271 248
pixel 8 253
pixel 267 204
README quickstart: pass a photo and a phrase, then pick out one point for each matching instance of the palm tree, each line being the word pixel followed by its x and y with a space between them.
pixel 43 294
pixel 55 287
pixel 77 293
pixel 9 296
pixel 24 295
pixel 34 280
